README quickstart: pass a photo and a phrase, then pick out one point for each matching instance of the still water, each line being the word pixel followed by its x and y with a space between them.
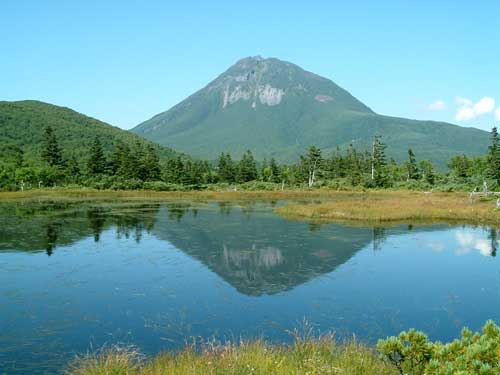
pixel 77 276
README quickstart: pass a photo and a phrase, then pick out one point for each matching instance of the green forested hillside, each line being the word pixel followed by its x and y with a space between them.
pixel 22 125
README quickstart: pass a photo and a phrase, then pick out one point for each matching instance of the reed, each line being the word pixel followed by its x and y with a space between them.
pixel 309 356
pixel 398 206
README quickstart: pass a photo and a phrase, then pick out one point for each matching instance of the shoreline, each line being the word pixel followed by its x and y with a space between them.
pixel 319 205
pixel 411 352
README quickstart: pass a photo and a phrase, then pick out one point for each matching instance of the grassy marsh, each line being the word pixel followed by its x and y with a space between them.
pixel 320 204
pixel 398 206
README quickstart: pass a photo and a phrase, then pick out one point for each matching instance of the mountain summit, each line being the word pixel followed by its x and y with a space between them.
pixel 266 82
pixel 277 109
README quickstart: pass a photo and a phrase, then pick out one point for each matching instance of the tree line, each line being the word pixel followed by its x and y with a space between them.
pixel 134 166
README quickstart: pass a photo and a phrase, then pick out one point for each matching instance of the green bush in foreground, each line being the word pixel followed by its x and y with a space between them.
pixel 412 353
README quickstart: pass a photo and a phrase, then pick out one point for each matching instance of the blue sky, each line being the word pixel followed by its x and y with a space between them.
pixel 124 61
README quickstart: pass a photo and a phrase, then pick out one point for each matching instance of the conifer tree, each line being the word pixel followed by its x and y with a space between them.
pixel 275 171
pixel 226 168
pixel 118 159
pixel 193 172
pixel 73 169
pixel 247 168
pixel 151 164
pixel 174 170
pixel 265 171
pixel 379 162
pixel 460 166
pixel 335 164
pixel 138 168
pixel 494 157
pixel 353 166
pixel 96 164
pixel 411 166
pixel 51 151
pixel 428 171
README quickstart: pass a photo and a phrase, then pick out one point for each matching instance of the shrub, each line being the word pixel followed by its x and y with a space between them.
pixel 474 353
pixel 105 182
pixel 157 186
pixel 259 185
pixel 413 185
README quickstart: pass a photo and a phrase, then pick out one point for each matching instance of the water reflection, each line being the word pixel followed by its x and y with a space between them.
pixel 37 227
pixel 465 241
pixel 155 274
pixel 249 247
pixel 473 242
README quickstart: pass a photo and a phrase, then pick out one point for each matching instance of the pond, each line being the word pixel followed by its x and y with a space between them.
pixel 77 276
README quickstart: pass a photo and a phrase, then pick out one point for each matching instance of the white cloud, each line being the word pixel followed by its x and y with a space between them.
pixel 467 109
pixel 437 106
pixel 463 102
pixel 485 105
pixel 465 113
pixel 497 114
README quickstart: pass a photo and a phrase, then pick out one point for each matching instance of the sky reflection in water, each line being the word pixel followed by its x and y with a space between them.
pixel 78 276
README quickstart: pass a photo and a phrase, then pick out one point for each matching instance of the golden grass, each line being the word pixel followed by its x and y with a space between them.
pixel 205 195
pixel 398 206
pixel 318 204
pixel 310 356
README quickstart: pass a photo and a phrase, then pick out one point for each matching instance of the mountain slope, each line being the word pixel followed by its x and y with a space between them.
pixel 22 125
pixel 277 109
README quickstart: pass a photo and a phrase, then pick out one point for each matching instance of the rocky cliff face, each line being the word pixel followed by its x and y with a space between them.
pixel 267 81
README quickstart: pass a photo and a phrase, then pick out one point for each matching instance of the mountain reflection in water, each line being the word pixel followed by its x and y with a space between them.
pixel 78 275
pixel 256 253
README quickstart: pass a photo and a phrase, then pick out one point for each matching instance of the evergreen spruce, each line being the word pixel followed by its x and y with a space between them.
pixel 96 164
pixel 174 170
pixel 226 168
pixel 138 168
pixel 265 171
pixel 247 168
pixel 353 166
pixel 193 172
pixel 411 166
pixel 151 164
pixel 118 159
pixel 275 171
pixel 51 152
pixel 73 169
pixel 379 163
pixel 493 157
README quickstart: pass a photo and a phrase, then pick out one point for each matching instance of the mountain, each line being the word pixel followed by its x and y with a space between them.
pixel 276 109
pixel 22 125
